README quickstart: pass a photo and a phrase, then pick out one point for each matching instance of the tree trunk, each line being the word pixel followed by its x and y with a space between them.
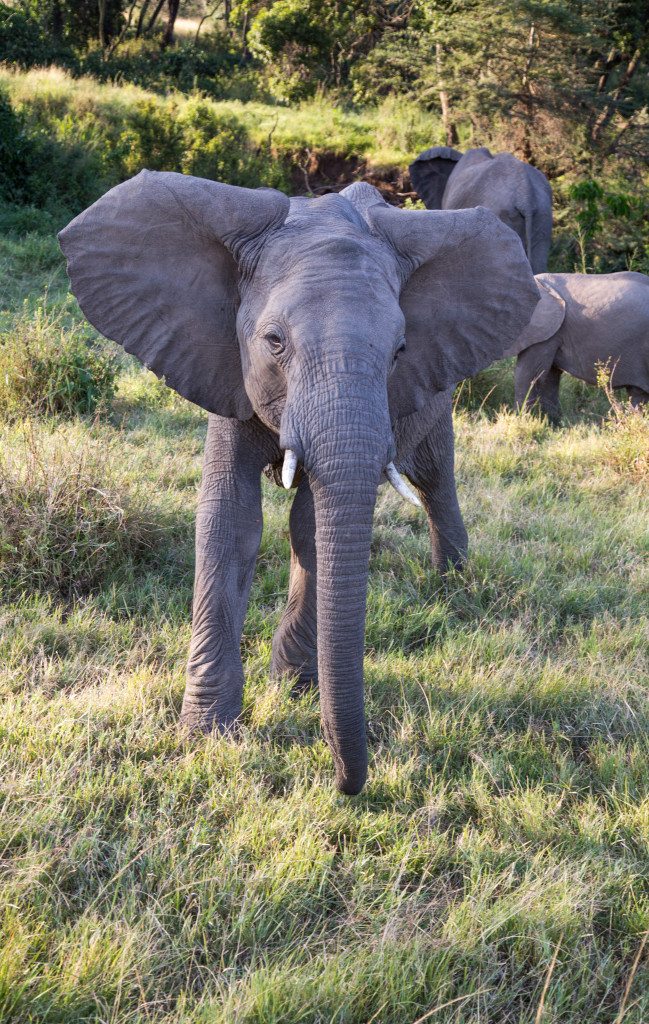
pixel 154 17
pixel 450 131
pixel 140 21
pixel 528 96
pixel 102 23
pixel 168 38
pixel 57 21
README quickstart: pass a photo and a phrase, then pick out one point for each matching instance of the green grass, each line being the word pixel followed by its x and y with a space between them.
pixel 147 878
pixel 396 130
pixel 100 133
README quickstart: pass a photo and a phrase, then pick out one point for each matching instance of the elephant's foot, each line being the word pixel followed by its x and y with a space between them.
pixel 211 708
pixel 637 397
pixel 295 660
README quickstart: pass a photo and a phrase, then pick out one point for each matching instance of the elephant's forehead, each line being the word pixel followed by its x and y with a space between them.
pixel 332 207
pixel 325 247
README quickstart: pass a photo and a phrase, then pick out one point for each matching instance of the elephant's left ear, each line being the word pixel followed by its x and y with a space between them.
pixel 468 292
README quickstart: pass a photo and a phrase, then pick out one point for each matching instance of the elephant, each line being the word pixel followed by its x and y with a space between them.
pixel 518 193
pixel 584 321
pixel 324 337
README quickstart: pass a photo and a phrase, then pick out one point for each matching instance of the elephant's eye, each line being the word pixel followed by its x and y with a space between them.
pixel 400 348
pixel 275 342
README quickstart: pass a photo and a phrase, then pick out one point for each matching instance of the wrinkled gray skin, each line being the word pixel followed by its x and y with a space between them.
pixel 287 321
pixel 519 194
pixel 583 320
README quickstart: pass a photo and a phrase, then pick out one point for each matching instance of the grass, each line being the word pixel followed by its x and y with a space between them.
pixel 496 867
pixel 86 136
pixel 393 132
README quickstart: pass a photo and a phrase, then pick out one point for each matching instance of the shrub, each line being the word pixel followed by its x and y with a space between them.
pixel 213 67
pixel 626 433
pixel 294 45
pixel 216 145
pixel 22 40
pixel 15 153
pixel 67 516
pixel 404 127
pixel 48 370
pixel 601 227
pixel 86 138
pixel 151 138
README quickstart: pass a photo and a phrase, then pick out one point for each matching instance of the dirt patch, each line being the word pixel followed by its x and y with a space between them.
pixel 319 173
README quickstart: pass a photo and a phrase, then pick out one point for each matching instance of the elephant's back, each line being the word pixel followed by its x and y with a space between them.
pixel 493 181
pixel 607 322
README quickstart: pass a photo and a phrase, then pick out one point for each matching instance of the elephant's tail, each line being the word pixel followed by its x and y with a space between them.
pixel 525 211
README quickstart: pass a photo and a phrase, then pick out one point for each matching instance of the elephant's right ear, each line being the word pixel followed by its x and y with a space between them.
pixel 430 172
pixel 546 319
pixel 155 266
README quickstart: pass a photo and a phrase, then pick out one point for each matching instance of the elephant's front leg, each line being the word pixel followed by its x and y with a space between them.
pixel 228 532
pixel 431 468
pixel 295 642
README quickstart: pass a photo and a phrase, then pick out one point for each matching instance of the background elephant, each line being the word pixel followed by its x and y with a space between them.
pixel 519 194
pixel 583 320
pixel 304 327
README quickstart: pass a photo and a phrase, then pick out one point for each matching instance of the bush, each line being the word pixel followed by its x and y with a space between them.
pixel 22 40
pixel 602 227
pixel 626 433
pixel 82 139
pixel 39 169
pixel 67 516
pixel 216 145
pixel 50 371
pixel 15 153
pixel 293 45
pixel 212 68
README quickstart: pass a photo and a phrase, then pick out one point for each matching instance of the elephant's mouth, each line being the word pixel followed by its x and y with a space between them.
pixel 291 472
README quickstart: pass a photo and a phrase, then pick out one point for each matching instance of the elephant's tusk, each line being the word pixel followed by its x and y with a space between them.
pixel 288 469
pixel 399 485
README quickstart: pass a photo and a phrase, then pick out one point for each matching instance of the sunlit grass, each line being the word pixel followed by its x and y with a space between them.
pixel 392 133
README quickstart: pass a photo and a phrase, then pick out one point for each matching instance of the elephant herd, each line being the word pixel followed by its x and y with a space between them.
pixel 325 338
pixel 583 321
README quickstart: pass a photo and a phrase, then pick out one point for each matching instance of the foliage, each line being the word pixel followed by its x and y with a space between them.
pixel 627 432
pixel 213 68
pixel 48 370
pixel 23 42
pixel 77 21
pixel 294 44
pixel 15 152
pixel 602 227
pixel 69 145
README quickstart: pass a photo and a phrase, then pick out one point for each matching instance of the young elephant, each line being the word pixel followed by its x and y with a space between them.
pixel 582 321
pixel 321 333
pixel 518 193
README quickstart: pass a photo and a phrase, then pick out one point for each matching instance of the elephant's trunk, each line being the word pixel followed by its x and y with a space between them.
pixel 346 448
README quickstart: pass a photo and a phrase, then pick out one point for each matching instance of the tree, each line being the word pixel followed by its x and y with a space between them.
pixel 168 38
pixel 78 21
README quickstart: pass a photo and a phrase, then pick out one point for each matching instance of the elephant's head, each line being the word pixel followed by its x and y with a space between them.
pixel 546 319
pixel 328 319
pixel 430 172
